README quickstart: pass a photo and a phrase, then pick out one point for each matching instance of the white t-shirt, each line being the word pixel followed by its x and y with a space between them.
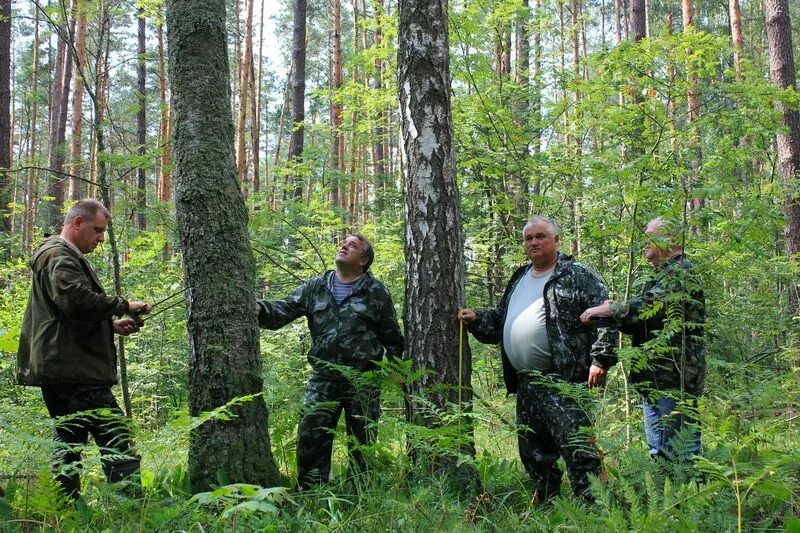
pixel 525 328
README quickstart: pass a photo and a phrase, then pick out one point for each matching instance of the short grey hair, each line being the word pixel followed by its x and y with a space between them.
pixel 86 209
pixel 670 228
pixel 538 219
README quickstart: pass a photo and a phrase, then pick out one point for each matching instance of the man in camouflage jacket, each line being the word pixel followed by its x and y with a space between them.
pixel 552 290
pixel 66 347
pixel 666 322
pixel 352 322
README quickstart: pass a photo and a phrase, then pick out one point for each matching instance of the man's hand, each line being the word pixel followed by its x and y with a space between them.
pixel 467 316
pixel 597 376
pixel 138 308
pixel 602 310
pixel 125 326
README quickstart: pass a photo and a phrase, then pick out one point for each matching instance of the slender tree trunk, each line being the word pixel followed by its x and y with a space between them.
pixel 783 74
pixel 56 160
pixel 693 113
pixel 736 36
pixel 5 112
pixel 255 108
pixel 434 239
pixel 245 60
pixel 522 105
pixel 337 151
pixel 32 186
pixel 76 147
pixel 378 150
pixel 298 94
pixel 225 363
pixel 141 124
pixel 164 137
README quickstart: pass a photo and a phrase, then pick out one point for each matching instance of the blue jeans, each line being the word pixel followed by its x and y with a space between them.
pixel 671 434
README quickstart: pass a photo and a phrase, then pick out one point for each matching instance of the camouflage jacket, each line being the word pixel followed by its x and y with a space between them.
pixel 573 346
pixel 353 334
pixel 666 320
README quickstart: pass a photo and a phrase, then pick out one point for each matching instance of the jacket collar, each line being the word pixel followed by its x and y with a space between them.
pixel 364 280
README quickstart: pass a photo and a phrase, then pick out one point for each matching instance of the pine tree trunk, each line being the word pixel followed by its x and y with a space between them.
pixel 225 361
pixel 434 240
pixel 298 93
pixel 141 124
pixel 164 139
pixel 245 58
pixel 60 89
pixel 5 111
pixel 31 196
pixel 337 150
pixel 76 147
pixel 693 112
pixel 783 74
pixel 255 107
pixel 736 36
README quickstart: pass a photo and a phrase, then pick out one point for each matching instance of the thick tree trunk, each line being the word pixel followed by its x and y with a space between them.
pixel 141 124
pixel 783 74
pixel 298 93
pixel 76 144
pixel 434 240
pixel 5 111
pixel 224 358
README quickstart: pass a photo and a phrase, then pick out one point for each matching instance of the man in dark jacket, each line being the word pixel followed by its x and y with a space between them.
pixel 352 322
pixel 66 347
pixel 666 322
pixel 544 347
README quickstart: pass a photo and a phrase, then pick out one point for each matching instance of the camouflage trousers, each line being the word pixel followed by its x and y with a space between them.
pixel 82 410
pixel 323 403
pixel 552 423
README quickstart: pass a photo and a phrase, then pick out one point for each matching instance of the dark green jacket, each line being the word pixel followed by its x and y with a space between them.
pixel 666 320
pixel 67 332
pixel 353 334
pixel 574 347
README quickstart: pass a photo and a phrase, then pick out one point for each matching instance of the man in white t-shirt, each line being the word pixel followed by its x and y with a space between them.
pixel 544 346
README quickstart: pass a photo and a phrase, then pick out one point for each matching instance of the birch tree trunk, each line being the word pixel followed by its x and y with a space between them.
pixel 224 358
pixel 433 241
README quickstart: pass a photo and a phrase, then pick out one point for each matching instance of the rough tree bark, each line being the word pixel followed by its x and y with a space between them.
pixel 224 359
pixel 783 74
pixel 434 243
